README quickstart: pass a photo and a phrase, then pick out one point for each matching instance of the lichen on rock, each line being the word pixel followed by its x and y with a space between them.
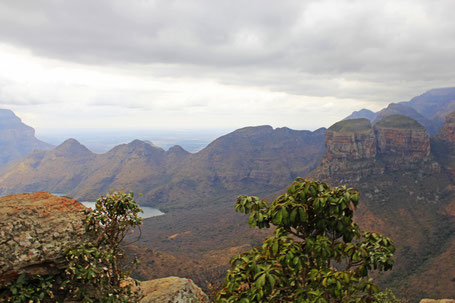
pixel 35 230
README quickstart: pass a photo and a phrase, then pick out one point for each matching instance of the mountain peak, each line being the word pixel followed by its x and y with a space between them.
pixel 363 113
pixel 177 149
pixel 72 147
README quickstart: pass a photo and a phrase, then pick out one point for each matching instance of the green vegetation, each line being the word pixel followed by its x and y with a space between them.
pixel 317 253
pixel 94 272
pixel 352 125
pixel 94 268
pixel 399 121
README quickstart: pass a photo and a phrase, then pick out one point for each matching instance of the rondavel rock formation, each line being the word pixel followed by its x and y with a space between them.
pixel 356 149
pixel 35 230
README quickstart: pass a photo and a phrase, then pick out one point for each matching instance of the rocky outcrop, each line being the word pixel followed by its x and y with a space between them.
pixel 403 137
pixel 16 138
pixel 350 151
pixel 355 149
pixel 447 132
pixel 35 229
pixel 172 290
pixel 353 139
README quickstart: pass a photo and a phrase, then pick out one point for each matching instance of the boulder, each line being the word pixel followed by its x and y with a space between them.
pixel 35 229
pixel 172 290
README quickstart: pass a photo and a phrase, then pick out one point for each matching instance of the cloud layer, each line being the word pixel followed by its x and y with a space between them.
pixel 190 56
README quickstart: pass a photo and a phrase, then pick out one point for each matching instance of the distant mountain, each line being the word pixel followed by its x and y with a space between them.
pixel 408 111
pixel 429 109
pixel 16 138
pixel 363 113
pixel 406 193
pixel 434 104
pixel 253 159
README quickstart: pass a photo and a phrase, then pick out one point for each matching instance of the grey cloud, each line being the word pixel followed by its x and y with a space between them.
pixel 375 50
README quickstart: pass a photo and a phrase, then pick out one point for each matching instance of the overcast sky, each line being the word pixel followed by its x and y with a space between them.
pixel 218 64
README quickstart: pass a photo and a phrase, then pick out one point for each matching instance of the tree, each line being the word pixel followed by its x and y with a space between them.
pixel 94 269
pixel 317 253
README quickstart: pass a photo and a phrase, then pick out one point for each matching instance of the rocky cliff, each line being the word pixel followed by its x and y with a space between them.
pixel 402 136
pixel 356 149
pixel 35 229
pixel 447 132
pixel 16 138
pixel 351 150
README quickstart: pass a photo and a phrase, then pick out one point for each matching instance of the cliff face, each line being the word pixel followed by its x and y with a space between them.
pixel 353 139
pixel 35 229
pixel 402 136
pixel 16 138
pixel 447 132
pixel 355 149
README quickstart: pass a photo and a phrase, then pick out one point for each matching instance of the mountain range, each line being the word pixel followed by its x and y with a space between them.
pixel 256 159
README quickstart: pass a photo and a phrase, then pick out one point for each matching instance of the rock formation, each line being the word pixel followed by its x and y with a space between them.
pixel 447 132
pixel 16 138
pixel 355 149
pixel 351 150
pixel 35 229
pixel 402 136
pixel 353 139
pixel 404 191
pixel 172 290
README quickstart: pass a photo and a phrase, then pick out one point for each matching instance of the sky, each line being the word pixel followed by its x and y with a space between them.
pixel 213 64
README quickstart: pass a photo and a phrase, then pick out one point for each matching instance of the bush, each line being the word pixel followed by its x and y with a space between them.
pixel 317 253
pixel 94 272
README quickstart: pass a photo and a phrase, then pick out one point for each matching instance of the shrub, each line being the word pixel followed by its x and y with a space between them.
pixel 317 253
